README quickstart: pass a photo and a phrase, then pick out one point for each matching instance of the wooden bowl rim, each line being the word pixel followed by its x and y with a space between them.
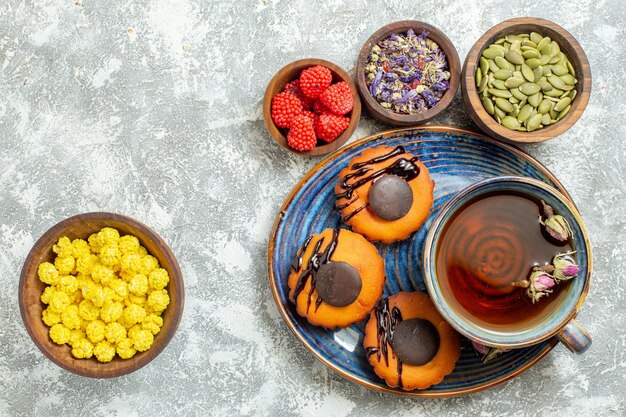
pixel 454 66
pixel 486 121
pixel 176 279
pixel 279 80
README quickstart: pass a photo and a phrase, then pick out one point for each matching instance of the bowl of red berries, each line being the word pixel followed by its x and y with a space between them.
pixel 311 107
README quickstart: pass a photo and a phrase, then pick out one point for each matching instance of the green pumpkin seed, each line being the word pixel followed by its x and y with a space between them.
pixel 563 113
pixel 538 72
pixel 534 122
pixel 513 38
pixel 499 112
pixel 524 113
pixel 558 69
pixel 545 119
pixel 499 47
pixel 553 114
pixel 513 100
pixel 518 73
pixel 516 46
pixel 522 103
pixel 485 94
pixel 546 70
pixel 544 85
pixel 555 60
pixel 568 79
pixel 500 93
pixel 484 65
pixel 503 63
pixel 527 72
pixel 483 84
pixel 554 48
pixel 544 59
pixel 535 99
pixel 556 82
pixel 514 57
pixel 488 105
pixel 529 88
pixel 506 45
pixel 535 37
pixel 518 94
pixel 570 68
pixel 544 106
pixel 515 111
pixel 514 82
pixel 555 92
pixel 533 63
pixel 492 52
pixel 510 122
pixel 499 84
pixel 563 103
pixel 565 93
pixel 504 105
pixel 572 94
pixel 492 65
pixel 528 42
pixel 503 74
pixel 500 41
pixel 478 76
pixel 544 43
pixel 531 53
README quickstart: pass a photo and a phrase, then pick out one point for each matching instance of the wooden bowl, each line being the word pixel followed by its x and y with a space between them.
pixel 31 288
pixel 570 47
pixel 389 116
pixel 291 72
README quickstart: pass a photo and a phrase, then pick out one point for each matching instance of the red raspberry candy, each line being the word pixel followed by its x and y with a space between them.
pixel 294 88
pixel 301 136
pixel 338 98
pixel 284 107
pixel 314 80
pixel 319 107
pixel 329 126
pixel 312 116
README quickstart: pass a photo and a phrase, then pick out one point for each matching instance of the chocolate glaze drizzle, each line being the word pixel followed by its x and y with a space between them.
pixel 386 322
pixel 316 260
pixel 403 168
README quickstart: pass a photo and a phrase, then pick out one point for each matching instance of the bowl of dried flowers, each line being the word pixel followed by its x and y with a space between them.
pixel 407 72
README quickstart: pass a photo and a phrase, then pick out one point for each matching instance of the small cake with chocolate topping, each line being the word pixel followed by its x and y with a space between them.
pixel 408 343
pixel 336 278
pixel 385 194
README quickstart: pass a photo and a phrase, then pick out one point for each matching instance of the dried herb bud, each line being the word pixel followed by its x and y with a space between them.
pixel 565 267
pixel 540 284
pixel 488 352
pixel 555 224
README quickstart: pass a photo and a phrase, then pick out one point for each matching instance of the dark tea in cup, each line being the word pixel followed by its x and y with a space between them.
pixel 491 242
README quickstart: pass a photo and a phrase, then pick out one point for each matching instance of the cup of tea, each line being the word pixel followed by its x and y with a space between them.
pixel 493 264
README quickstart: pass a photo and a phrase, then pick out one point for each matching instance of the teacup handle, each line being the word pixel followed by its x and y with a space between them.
pixel 574 337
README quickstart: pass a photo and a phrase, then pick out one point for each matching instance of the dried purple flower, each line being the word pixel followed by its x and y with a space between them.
pixel 565 267
pixel 538 284
pixel 488 352
pixel 555 224
pixel 407 73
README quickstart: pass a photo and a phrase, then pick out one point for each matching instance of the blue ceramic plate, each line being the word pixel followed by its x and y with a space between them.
pixel 455 158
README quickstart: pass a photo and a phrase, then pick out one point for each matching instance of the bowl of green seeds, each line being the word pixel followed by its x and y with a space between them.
pixel 526 80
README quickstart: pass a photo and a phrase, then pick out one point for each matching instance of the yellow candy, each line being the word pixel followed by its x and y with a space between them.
pixel 63 248
pixel 50 317
pixel 125 348
pixel 82 349
pixel 102 274
pixel 60 334
pixel 85 263
pixel 59 301
pixel 158 301
pixel 70 318
pixel 131 263
pixel 111 311
pixel 158 279
pixel 65 264
pixel 115 332
pixel 141 251
pixel 93 243
pixel 68 284
pixel 119 287
pixel 148 264
pixel 128 244
pixel 140 300
pixel 108 236
pixel 138 285
pixel 134 314
pixel 104 351
pixel 110 255
pixel 88 311
pixel 95 331
pixel 48 273
pixel 76 336
pixel 152 323
pixel 47 294
pixel 132 332
pixel 143 340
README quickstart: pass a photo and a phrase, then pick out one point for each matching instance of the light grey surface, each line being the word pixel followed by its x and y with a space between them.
pixel 153 109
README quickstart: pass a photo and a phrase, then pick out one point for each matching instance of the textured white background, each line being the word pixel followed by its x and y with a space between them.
pixel 153 109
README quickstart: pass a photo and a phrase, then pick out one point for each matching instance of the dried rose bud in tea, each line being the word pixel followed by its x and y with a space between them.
pixel 407 73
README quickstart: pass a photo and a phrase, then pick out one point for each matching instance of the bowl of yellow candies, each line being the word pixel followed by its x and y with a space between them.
pixel 101 294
